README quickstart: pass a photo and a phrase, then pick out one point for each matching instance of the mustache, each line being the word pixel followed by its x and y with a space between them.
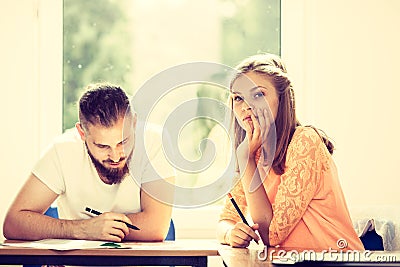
pixel 111 161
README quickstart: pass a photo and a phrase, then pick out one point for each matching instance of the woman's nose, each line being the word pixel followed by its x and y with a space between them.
pixel 246 106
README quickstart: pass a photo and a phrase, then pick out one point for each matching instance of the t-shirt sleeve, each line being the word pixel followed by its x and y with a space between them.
pixel 157 165
pixel 298 184
pixel 48 169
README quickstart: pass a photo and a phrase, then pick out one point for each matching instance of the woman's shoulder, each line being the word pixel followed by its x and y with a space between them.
pixel 306 134
pixel 306 139
pixel 307 143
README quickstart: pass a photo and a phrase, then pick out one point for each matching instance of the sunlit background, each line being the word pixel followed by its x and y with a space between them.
pixel 127 42
pixel 342 55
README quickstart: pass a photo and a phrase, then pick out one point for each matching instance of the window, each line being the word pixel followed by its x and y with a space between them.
pixel 126 42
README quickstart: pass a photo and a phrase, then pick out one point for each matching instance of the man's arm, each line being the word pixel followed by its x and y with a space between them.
pixel 25 219
pixel 155 217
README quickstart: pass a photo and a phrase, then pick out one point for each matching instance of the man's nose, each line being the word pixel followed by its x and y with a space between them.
pixel 116 154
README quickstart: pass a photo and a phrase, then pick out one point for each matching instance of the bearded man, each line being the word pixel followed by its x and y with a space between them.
pixel 98 165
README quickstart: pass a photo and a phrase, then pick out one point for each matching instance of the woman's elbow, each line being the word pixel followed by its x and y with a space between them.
pixel 275 240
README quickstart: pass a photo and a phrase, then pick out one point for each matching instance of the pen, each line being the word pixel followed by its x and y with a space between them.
pixel 239 211
pixel 95 212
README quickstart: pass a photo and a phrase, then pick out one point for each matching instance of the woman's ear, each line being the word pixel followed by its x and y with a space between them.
pixel 80 131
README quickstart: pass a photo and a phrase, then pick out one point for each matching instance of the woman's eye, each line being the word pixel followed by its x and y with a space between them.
pixel 237 98
pixel 259 94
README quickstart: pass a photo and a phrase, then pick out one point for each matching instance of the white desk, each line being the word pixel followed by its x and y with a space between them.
pixel 193 252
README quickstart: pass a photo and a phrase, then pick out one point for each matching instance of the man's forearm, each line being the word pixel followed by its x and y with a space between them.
pixel 153 227
pixel 29 225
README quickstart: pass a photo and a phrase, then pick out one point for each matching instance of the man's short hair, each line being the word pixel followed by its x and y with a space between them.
pixel 103 104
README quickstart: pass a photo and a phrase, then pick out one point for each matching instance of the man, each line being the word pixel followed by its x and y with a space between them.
pixel 98 165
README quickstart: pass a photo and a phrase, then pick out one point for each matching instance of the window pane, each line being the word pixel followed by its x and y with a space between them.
pixel 126 42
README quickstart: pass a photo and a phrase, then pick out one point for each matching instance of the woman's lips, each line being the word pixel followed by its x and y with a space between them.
pixel 248 118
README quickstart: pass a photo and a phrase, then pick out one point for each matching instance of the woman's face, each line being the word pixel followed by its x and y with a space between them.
pixel 253 91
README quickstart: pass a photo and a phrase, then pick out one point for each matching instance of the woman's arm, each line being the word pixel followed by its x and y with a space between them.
pixel 231 230
pixel 305 160
pixel 256 197
pixel 257 200
pixel 223 229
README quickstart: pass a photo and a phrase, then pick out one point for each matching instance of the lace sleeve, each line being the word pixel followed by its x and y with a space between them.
pixel 298 184
pixel 229 212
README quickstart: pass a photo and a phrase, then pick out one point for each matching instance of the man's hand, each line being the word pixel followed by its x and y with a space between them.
pixel 108 226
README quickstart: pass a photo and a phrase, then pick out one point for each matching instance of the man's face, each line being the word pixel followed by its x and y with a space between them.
pixel 110 148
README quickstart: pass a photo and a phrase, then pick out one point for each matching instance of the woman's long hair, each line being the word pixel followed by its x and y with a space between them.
pixel 286 122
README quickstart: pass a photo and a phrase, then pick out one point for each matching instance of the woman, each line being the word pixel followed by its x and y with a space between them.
pixel 299 202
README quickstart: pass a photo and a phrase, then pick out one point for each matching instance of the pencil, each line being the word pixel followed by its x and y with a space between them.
pixel 239 211
pixel 95 212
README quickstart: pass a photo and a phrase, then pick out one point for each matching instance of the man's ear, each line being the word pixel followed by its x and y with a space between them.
pixel 80 131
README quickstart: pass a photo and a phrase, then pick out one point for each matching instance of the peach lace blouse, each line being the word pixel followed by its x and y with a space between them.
pixel 309 209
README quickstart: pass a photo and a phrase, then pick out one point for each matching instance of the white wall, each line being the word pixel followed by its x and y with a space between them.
pixel 31 90
pixel 344 57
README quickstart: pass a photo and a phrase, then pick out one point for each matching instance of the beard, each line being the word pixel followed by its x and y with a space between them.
pixel 112 175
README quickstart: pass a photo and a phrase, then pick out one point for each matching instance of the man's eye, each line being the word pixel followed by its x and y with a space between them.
pixel 124 142
pixel 101 146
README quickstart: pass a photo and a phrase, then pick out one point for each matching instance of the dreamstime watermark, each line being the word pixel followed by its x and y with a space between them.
pixel 311 255
pixel 330 254
pixel 146 100
pixel 341 243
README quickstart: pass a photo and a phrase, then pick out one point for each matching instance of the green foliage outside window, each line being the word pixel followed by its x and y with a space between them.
pixel 254 28
pixel 98 41
pixel 94 32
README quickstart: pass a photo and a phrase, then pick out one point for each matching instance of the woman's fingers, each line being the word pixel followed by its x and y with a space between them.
pixel 248 129
pixel 256 126
pixel 264 120
pixel 267 119
pixel 239 238
pixel 241 235
pixel 261 120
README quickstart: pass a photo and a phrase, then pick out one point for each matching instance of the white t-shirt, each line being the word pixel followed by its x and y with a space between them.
pixel 66 168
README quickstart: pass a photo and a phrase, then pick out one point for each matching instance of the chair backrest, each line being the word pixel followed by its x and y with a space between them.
pixel 52 212
pixel 171 232
pixel 372 241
